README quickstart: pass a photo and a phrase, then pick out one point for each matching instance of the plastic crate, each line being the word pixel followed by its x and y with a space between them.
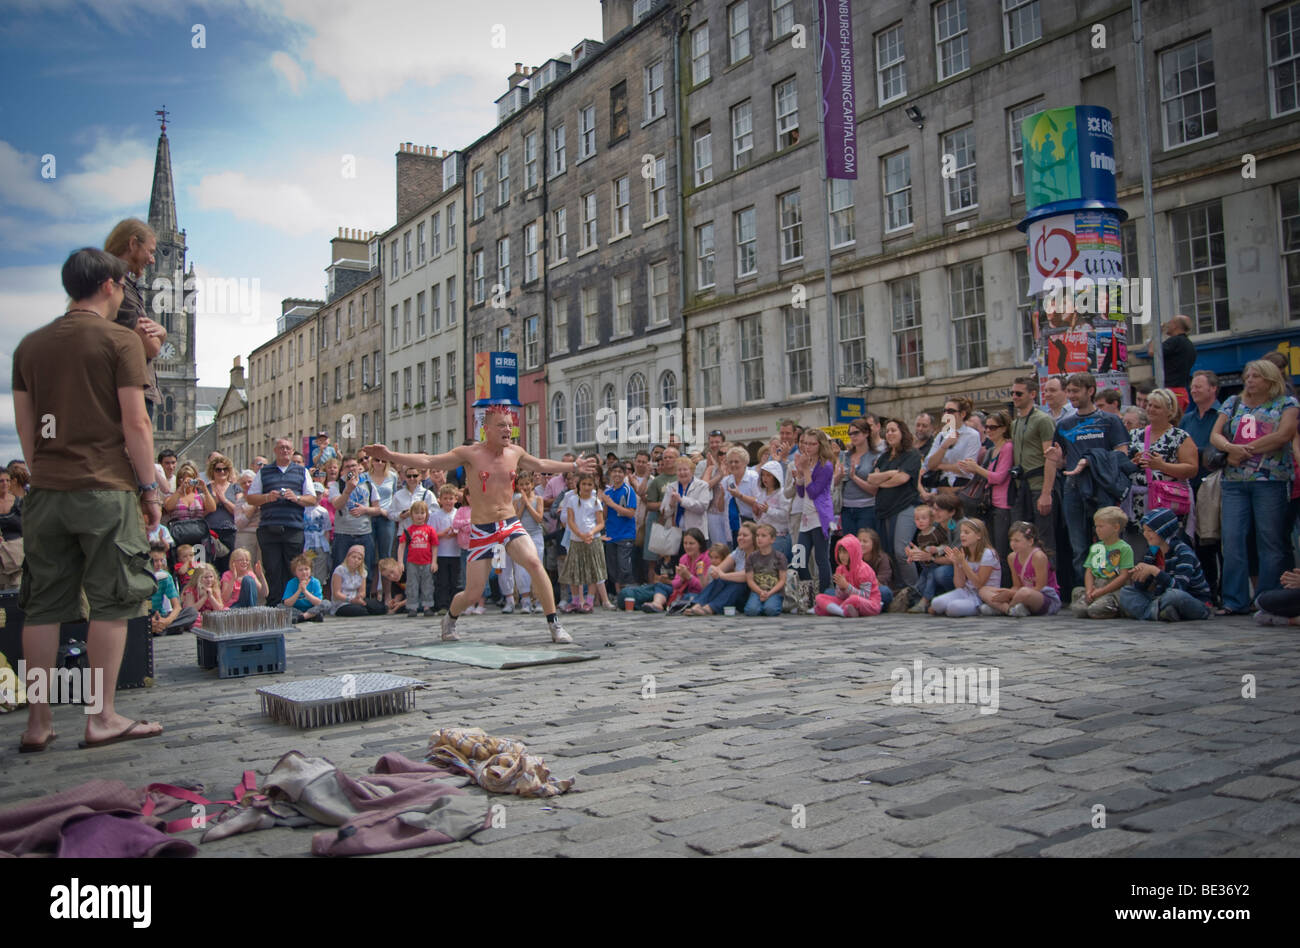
pixel 249 655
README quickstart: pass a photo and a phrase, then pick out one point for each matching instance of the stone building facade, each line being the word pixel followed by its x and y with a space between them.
pixel 615 340
pixel 349 329
pixel 930 271
pixel 504 261
pixel 423 282
pixel 232 420
pixel 278 370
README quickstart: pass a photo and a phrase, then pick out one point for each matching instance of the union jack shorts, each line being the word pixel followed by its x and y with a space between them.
pixel 484 536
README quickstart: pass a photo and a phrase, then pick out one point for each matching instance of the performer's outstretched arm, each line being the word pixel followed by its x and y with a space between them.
pixel 438 462
pixel 583 465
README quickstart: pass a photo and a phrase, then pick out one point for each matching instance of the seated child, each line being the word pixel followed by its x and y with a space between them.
pixel 243 584
pixel 976 565
pixel 203 593
pixel 1106 570
pixel 726 586
pixel 394 580
pixel 160 534
pixel 303 593
pixel 1033 591
pixel 689 575
pixel 1281 606
pixel 165 612
pixel 1168 584
pixel 927 548
pixel 765 574
pixel 857 591
pixel 878 560
pixel 186 563
pixel 660 581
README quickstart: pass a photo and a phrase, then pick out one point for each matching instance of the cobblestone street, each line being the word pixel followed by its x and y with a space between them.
pixel 780 738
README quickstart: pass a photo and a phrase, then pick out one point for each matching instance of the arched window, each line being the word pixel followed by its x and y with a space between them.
pixel 607 398
pixel 668 391
pixel 558 419
pixel 582 415
pixel 637 392
pixel 167 417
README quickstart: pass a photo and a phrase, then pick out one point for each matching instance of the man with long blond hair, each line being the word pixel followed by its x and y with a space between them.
pixel 134 241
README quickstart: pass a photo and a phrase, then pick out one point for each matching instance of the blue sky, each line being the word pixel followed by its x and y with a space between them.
pixel 262 116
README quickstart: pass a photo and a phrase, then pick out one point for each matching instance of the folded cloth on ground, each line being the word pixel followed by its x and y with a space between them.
pixel 52 825
pixel 403 805
pixel 498 765
pixel 113 836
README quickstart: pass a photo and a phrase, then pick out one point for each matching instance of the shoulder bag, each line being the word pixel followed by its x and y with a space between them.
pixel 1166 494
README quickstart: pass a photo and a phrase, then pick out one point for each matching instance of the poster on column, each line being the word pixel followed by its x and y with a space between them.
pixel 1075 252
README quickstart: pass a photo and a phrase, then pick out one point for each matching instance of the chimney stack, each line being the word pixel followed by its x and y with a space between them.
pixel 237 374
pixel 419 178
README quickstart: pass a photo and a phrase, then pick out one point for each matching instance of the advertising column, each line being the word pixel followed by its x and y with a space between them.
pixel 496 382
pixel 1075 249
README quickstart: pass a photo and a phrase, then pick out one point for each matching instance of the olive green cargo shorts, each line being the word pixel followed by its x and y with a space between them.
pixel 92 540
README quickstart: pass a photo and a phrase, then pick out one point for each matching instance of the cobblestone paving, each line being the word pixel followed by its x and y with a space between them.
pixel 780 737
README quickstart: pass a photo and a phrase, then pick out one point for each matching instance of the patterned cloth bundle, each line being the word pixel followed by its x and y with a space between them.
pixel 496 764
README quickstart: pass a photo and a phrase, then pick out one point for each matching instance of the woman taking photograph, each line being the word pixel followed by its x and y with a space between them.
pixel 221 521
pixel 188 506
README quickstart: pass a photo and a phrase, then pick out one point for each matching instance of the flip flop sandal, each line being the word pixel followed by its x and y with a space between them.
pixel 25 748
pixel 125 735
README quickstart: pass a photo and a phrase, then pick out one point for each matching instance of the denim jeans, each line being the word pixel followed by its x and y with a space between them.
pixel 896 532
pixel 935 579
pixel 785 544
pixel 1078 514
pixel 719 594
pixel 1261 504
pixel 853 519
pixel 756 607
pixel 817 549
pixel 1138 604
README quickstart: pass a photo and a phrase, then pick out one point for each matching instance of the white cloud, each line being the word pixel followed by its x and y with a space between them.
pixel 373 52
pixel 110 177
pixel 312 197
pixel 288 67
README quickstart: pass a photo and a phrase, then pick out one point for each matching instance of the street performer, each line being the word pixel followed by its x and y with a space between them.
pixel 490 469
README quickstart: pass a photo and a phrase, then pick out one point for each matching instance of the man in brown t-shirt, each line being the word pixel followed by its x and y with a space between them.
pixel 78 389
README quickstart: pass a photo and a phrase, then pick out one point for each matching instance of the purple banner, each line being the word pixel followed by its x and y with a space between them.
pixel 839 113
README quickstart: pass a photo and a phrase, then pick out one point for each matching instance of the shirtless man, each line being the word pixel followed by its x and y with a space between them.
pixel 490 469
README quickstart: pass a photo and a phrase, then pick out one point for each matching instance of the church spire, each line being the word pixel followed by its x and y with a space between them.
pixel 162 202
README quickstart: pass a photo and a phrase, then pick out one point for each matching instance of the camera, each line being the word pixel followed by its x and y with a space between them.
pixel 1017 472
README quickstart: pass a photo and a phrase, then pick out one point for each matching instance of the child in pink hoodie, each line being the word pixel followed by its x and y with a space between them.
pixel 857 592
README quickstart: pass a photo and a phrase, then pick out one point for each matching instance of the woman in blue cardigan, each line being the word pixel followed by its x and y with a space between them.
pixel 811 477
